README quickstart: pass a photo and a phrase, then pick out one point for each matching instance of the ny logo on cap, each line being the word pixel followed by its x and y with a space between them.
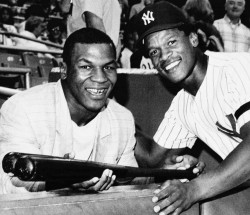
pixel 148 17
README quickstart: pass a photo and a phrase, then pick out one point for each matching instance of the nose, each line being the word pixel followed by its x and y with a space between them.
pixel 165 54
pixel 99 75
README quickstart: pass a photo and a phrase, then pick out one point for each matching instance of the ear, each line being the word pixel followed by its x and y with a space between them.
pixel 63 70
pixel 193 37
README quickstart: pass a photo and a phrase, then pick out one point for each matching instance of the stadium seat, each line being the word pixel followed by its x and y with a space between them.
pixel 8 60
pixel 7 79
pixel 41 68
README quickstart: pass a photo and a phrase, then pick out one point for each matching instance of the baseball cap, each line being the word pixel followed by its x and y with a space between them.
pixel 158 16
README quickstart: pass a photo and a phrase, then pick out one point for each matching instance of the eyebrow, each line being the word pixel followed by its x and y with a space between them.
pixel 112 61
pixel 88 61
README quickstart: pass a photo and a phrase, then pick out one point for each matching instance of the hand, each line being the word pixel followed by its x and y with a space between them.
pixel 174 197
pixel 186 162
pixel 98 184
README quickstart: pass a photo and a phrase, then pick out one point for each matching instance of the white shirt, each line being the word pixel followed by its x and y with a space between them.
pixel 85 140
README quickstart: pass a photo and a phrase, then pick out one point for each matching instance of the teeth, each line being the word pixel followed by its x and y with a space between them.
pixel 95 91
pixel 171 65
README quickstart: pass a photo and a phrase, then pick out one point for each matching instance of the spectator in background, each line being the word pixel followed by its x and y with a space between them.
pixel 128 47
pixel 34 27
pixel 136 8
pixel 33 10
pixel 100 14
pixel 7 24
pixel 236 36
pixel 6 16
pixel 138 59
pixel 56 31
pixel 200 12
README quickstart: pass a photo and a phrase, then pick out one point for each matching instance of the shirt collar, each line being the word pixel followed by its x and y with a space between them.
pixel 228 20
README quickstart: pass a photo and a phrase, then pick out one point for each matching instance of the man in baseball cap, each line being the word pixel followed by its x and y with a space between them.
pixel 213 106
pixel 153 18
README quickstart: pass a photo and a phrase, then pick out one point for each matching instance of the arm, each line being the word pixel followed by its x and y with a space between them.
pixel 149 154
pixel 16 134
pixel 226 176
pixel 94 21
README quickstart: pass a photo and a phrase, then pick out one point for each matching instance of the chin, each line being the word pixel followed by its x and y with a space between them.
pixel 96 107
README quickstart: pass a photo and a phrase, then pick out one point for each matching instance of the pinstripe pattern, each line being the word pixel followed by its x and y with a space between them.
pixel 225 88
pixel 236 38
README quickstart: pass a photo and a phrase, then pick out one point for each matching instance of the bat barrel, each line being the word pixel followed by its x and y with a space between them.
pixel 48 168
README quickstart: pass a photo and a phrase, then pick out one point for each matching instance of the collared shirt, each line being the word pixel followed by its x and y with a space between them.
pixel 225 88
pixel 38 121
pixel 236 37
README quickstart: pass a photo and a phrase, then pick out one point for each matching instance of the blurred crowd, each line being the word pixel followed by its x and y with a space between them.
pixel 48 20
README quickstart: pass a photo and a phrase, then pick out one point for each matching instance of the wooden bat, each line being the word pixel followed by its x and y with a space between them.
pixel 34 167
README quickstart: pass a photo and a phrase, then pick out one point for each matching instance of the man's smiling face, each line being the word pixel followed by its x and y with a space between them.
pixel 234 8
pixel 172 53
pixel 91 76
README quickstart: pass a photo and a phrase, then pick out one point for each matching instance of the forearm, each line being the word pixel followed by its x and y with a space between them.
pixel 93 21
pixel 149 154
pixel 232 172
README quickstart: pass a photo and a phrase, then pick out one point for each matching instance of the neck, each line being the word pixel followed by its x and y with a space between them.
pixel 234 20
pixel 80 115
pixel 193 82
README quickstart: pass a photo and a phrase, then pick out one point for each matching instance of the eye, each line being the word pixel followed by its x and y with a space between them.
pixel 86 67
pixel 152 52
pixel 110 68
pixel 171 42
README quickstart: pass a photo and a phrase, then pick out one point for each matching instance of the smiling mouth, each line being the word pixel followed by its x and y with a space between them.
pixel 96 92
pixel 172 65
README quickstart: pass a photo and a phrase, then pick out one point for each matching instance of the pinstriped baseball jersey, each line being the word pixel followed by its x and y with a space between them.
pixel 225 88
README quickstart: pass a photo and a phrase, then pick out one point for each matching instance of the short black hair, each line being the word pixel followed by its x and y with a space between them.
pixel 84 36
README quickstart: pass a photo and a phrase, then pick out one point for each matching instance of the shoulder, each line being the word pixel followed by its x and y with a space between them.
pixel 227 57
pixel 229 60
pixel 218 21
pixel 245 27
pixel 33 97
pixel 234 66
